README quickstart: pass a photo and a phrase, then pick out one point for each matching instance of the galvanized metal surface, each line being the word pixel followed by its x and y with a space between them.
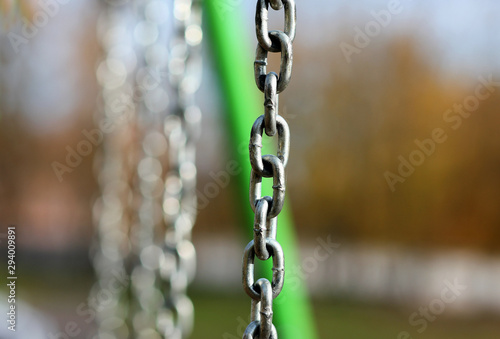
pixel 264 245
pixel 147 174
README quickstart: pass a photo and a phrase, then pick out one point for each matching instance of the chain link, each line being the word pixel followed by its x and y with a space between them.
pixel 258 127
pixel 285 47
pixel 266 209
pixel 261 22
pixel 148 203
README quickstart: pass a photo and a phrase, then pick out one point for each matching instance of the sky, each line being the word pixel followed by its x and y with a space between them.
pixel 457 35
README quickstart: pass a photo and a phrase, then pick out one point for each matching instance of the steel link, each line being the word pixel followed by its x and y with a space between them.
pixel 261 25
pixel 255 310
pixel 276 252
pixel 255 145
pixel 253 331
pixel 262 310
pixel 271 228
pixel 265 307
pixel 278 198
pixel 270 103
pixel 260 64
pixel 260 231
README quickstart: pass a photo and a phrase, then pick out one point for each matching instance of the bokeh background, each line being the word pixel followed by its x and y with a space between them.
pixel 358 106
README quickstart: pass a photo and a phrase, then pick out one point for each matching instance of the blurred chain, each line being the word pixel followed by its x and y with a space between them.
pixel 267 209
pixel 181 130
pixel 148 203
pixel 115 167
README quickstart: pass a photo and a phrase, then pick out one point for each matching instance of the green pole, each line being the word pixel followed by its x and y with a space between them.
pixel 233 56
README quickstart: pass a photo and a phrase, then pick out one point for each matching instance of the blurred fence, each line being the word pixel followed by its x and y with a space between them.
pixel 466 281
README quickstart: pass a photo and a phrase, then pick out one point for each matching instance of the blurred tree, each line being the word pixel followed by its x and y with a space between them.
pixel 361 117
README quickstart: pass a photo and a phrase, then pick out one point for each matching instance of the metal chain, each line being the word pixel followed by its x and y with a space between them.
pixel 148 204
pixel 113 210
pixel 181 130
pixel 266 209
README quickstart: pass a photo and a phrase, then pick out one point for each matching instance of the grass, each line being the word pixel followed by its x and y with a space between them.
pixel 222 317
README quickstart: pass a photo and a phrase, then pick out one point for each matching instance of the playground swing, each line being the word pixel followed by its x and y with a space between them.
pixel 148 204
